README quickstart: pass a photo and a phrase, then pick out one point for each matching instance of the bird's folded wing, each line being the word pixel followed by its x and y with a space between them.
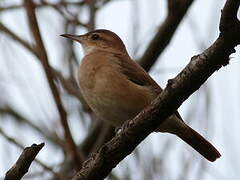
pixel 135 73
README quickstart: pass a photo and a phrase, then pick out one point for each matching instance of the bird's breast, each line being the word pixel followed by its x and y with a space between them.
pixel 110 94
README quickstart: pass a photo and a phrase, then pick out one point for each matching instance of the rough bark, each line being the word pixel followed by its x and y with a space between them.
pixel 20 168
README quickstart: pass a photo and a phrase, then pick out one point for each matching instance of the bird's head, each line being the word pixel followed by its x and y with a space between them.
pixel 100 39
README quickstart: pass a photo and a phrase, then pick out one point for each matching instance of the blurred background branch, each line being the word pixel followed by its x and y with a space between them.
pixel 42 54
pixel 176 12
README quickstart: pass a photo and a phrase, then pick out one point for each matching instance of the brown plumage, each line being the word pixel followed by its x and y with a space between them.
pixel 117 88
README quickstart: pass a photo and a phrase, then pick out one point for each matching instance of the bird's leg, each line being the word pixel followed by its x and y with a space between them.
pixel 118 129
pixel 122 127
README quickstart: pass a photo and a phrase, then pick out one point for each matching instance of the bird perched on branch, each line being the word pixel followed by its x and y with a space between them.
pixel 117 88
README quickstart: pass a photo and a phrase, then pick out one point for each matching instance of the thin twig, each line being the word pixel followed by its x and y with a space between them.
pixel 20 168
pixel 58 7
pixel 49 136
pixel 42 5
pixel 17 38
pixel 16 143
pixel 92 14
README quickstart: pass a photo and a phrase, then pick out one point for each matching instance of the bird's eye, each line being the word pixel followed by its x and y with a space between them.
pixel 95 37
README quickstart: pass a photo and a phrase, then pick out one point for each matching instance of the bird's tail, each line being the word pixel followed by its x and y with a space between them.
pixel 199 143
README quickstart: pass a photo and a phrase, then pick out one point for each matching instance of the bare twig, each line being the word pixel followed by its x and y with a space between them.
pixel 20 168
pixel 200 68
pixel 50 136
pixel 15 37
pixel 92 12
pixel 58 7
pixel 40 49
pixel 42 5
pixel 16 143
pixel 176 11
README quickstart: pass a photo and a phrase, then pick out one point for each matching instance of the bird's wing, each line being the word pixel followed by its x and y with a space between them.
pixel 135 73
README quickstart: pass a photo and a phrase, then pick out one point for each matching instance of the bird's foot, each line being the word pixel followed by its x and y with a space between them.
pixel 118 130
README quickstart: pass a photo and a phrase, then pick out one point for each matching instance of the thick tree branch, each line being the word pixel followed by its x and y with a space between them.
pixel 20 168
pixel 200 68
pixel 176 11
pixel 42 54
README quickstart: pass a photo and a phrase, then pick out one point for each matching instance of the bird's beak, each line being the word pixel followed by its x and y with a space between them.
pixel 74 37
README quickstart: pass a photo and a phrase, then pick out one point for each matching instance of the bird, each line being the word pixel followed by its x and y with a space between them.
pixel 117 88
